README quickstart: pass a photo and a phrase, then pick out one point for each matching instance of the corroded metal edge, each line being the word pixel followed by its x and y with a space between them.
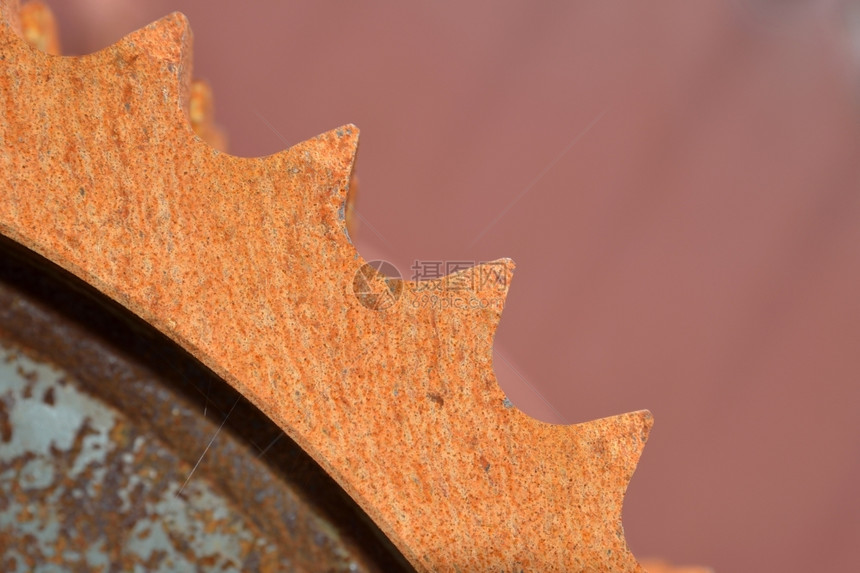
pixel 164 394
pixel 97 456
pixel 246 263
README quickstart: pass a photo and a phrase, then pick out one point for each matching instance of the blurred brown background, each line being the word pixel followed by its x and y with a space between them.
pixel 678 184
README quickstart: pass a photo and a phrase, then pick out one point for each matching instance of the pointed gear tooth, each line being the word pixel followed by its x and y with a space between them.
pixel 167 43
pixel 629 433
pixel 496 278
pixel 482 287
pixel 331 158
pixel 617 442
pixel 345 140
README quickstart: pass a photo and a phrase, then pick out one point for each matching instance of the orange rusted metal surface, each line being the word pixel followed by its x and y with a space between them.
pixel 247 264
pixel 100 428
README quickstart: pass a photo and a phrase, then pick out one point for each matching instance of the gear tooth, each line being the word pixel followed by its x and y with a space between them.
pixel 487 282
pixel 334 150
pixel 347 135
pixel 638 427
pixel 167 43
pixel 618 441
pixel 333 154
pixel 167 39
pixel 498 275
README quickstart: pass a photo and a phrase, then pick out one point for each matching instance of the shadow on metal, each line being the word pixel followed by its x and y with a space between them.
pixel 177 469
